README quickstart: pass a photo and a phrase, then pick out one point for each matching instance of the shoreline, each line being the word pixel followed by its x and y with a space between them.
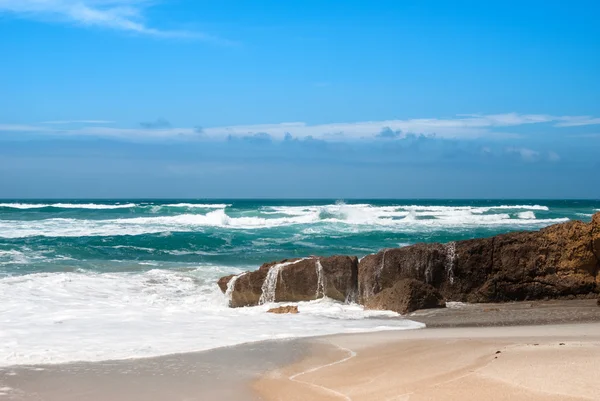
pixel 224 373
pixel 244 372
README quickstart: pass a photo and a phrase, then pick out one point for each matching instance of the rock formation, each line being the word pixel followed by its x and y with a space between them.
pixel 294 280
pixel 559 261
pixel 405 296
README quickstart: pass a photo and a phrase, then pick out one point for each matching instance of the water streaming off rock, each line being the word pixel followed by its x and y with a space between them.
pixel 321 280
pixel 231 287
pixel 449 263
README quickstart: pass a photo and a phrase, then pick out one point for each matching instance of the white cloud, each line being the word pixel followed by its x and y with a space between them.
pixel 463 126
pixel 21 128
pixel 123 15
pixel 529 155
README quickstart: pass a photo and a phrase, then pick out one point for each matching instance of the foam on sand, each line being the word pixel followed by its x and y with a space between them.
pixel 62 317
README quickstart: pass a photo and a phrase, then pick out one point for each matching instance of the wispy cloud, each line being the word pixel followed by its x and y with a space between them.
pixel 460 127
pixel 578 121
pixel 67 122
pixel 122 15
pixel 592 135
pixel 22 128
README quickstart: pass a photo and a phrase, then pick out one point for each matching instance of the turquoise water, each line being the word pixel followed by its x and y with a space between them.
pixel 135 235
pixel 98 280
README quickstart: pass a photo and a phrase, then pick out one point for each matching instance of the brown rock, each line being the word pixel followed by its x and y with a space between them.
pixel 560 261
pixel 405 296
pixel 557 261
pixel 423 262
pixel 284 309
pixel 596 240
pixel 223 281
pixel 296 280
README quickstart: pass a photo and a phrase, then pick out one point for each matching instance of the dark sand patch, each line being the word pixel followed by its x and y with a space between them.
pixel 510 314
pixel 221 374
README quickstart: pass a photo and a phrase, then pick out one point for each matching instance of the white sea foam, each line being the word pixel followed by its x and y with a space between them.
pixel 67 205
pixel 200 205
pixel 339 217
pixel 529 215
pixel 62 317
pixel 13 257
pixel 26 256
pixel 455 305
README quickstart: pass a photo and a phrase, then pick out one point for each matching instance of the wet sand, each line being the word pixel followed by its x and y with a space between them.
pixel 216 375
pixel 510 314
pixel 452 359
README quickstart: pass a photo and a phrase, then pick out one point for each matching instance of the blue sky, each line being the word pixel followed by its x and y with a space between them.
pixel 337 99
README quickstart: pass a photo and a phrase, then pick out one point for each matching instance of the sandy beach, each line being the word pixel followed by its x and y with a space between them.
pixel 550 363
pixel 543 350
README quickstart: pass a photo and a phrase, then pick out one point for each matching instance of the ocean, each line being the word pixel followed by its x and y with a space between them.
pixel 113 279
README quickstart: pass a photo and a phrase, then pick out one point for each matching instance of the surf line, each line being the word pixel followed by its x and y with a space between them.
pixel 351 354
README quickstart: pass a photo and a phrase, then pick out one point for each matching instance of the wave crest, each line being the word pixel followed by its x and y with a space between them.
pixel 338 217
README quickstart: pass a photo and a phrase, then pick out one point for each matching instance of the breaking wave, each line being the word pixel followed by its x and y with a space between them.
pixel 339 216
pixel 67 206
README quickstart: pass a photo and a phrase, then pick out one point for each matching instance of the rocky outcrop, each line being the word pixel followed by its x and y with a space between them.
pixel 294 280
pixel 596 245
pixel 405 296
pixel 293 309
pixel 557 261
pixel 560 261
